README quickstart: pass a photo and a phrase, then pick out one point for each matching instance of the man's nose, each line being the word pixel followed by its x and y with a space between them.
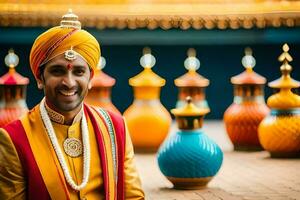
pixel 69 80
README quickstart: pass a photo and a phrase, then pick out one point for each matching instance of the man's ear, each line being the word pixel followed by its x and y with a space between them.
pixel 90 84
pixel 90 79
pixel 40 82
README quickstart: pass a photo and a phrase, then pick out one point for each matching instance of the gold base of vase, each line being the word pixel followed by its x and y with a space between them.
pixel 247 148
pixel 285 154
pixel 189 183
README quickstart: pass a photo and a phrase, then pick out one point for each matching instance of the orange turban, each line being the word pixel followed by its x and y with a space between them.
pixel 57 40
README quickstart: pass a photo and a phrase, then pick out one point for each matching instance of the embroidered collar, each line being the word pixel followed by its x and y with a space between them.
pixel 59 118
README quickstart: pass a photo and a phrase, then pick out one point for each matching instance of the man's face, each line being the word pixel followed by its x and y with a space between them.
pixel 65 83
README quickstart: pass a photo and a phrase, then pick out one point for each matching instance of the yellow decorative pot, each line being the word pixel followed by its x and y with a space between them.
pixel 147 119
pixel 279 132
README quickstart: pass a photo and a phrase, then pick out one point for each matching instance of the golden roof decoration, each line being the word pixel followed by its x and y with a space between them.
pixel 152 14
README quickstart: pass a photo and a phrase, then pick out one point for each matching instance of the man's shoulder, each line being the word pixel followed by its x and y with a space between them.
pixel 35 109
pixel 114 114
pixel 30 114
pixel 109 116
pixel 109 112
pixel 12 129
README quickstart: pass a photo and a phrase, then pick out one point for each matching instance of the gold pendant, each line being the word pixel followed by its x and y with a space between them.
pixel 73 147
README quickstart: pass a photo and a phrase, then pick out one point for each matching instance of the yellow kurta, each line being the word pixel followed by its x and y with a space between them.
pixel 13 185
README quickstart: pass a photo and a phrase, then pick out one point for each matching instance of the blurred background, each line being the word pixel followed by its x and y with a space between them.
pixel 219 31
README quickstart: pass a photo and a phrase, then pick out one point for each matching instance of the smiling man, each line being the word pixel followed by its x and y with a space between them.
pixel 62 148
pixel 65 83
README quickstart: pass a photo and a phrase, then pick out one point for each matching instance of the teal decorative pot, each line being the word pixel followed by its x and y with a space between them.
pixel 189 158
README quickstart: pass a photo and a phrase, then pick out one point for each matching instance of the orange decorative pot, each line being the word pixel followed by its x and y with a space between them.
pixel 192 84
pixel 279 132
pixel 248 109
pixel 12 92
pixel 147 119
pixel 100 93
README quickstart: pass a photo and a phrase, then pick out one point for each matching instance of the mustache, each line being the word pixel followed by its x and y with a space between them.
pixel 65 87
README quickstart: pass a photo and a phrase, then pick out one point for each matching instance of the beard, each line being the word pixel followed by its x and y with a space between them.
pixel 66 103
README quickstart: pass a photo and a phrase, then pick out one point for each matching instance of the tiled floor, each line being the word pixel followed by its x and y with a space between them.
pixel 243 175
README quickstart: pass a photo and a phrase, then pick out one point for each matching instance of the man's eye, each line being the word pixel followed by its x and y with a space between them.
pixel 57 71
pixel 78 72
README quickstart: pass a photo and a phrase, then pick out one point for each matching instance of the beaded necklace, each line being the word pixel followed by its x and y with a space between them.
pixel 86 149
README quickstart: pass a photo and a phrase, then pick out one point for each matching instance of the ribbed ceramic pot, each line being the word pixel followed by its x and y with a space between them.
pixel 243 117
pixel 279 132
pixel 189 158
pixel 248 109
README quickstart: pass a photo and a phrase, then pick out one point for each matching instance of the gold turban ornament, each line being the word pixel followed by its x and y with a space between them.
pixel 61 39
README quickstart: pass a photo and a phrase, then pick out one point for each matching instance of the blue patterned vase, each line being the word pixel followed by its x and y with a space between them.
pixel 189 158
